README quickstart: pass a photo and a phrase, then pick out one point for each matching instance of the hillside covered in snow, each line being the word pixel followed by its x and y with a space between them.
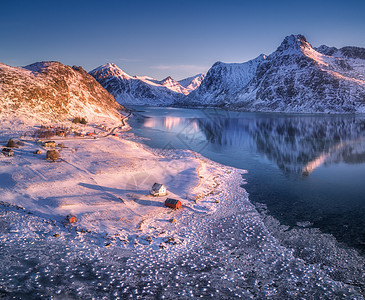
pixel 143 90
pixel 294 78
pixel 52 92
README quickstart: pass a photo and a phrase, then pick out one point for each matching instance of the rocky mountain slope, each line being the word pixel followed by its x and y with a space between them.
pixel 51 91
pixel 142 90
pixel 294 78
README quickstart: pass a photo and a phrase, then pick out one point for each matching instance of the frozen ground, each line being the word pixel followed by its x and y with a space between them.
pixel 125 245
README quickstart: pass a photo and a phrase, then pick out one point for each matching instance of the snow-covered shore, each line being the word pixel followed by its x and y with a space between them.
pixel 126 243
pixel 105 183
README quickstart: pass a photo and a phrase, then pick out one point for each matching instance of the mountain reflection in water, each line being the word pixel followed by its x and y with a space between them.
pixel 303 168
pixel 296 144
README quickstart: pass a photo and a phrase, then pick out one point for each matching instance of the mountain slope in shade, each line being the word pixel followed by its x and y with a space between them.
pixel 51 91
pixel 223 81
pixel 294 78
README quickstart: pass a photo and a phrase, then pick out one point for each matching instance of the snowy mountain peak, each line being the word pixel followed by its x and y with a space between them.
pixel 111 65
pixel 294 42
pixel 173 85
pixel 111 69
pixel 168 78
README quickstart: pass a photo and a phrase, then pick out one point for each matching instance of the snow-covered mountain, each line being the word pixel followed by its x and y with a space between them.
pixel 192 83
pixel 294 78
pixel 51 91
pixel 173 85
pixel 223 81
pixel 141 90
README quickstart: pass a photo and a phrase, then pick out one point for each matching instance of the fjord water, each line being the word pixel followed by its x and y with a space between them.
pixel 307 170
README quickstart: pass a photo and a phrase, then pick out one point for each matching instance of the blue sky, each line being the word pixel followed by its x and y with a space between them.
pixel 161 38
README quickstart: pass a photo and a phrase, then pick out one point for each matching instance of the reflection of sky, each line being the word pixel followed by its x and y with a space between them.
pixel 174 124
pixel 171 122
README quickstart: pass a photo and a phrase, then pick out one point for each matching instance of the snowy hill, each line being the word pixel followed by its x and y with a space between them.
pixel 51 91
pixel 294 78
pixel 143 90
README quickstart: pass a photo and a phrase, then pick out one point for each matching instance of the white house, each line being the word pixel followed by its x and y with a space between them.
pixel 158 190
pixel 8 152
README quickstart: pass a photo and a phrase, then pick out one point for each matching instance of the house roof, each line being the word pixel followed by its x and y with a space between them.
pixel 172 201
pixel 7 150
pixel 157 186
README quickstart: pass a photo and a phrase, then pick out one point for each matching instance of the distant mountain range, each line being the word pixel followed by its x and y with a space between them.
pixel 294 78
pixel 51 91
pixel 141 90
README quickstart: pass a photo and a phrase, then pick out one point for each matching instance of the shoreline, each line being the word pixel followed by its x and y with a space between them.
pixel 123 230
pixel 124 209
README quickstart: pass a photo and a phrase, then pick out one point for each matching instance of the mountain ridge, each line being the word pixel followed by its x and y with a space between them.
pixel 294 78
pixel 141 90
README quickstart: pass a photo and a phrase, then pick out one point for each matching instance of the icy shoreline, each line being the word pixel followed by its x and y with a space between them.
pixel 124 243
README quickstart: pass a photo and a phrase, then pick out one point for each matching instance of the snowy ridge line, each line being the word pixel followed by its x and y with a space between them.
pixel 294 78
pixel 142 90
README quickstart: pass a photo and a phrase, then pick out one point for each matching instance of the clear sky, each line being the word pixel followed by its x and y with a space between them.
pixel 161 38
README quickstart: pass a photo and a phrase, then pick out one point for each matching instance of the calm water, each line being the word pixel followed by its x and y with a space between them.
pixel 304 168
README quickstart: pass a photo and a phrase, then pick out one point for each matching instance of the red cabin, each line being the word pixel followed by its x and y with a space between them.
pixel 173 203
